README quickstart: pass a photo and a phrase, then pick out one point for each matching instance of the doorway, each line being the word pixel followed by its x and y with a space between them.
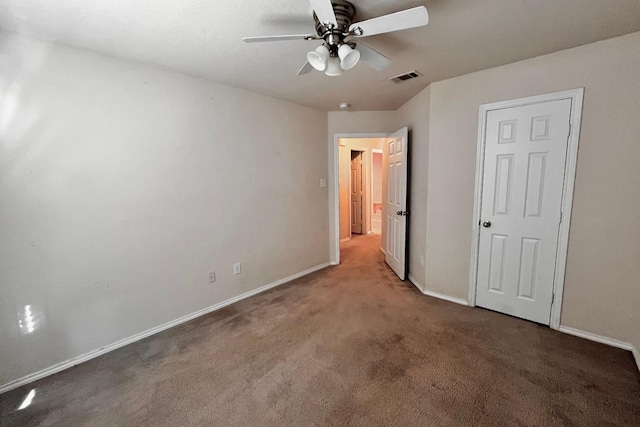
pixel 527 153
pixel 356 183
pixel 394 172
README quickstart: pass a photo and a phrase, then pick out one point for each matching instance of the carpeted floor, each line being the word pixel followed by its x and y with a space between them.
pixel 349 345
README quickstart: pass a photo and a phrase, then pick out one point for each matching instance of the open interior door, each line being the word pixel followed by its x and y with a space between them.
pixel 395 213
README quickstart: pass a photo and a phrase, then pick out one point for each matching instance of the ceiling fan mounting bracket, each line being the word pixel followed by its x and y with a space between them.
pixel 335 34
pixel 344 13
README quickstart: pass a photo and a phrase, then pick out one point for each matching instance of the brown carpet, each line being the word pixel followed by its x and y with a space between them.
pixel 349 345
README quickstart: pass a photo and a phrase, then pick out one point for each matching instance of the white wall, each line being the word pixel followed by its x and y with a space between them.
pixel 123 185
pixel 602 282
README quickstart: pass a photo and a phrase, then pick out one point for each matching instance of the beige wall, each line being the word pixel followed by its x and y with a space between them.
pixel 602 283
pixel 344 161
pixel 361 122
pixel 123 185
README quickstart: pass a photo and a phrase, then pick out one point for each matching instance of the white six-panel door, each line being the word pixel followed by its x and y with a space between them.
pixel 524 166
pixel 396 152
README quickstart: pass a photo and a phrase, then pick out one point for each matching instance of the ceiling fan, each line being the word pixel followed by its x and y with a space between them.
pixel 339 50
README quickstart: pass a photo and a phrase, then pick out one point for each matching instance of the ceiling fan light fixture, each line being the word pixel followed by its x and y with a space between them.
pixel 318 57
pixel 333 67
pixel 335 27
pixel 349 57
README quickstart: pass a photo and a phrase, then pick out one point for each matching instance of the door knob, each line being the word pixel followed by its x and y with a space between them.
pixel 486 224
pixel 402 213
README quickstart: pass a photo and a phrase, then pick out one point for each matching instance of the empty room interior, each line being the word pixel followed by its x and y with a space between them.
pixel 320 212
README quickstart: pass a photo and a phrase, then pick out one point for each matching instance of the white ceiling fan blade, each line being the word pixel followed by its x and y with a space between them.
pixel 277 38
pixel 410 18
pixel 372 58
pixel 324 11
pixel 306 69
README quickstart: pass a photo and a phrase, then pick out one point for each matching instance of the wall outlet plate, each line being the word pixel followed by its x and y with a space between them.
pixel 236 268
pixel 212 276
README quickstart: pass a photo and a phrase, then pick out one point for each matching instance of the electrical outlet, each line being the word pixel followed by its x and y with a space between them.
pixel 236 268
pixel 212 276
pixel 323 182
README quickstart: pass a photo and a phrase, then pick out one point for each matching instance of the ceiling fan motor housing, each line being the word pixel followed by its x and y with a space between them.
pixel 334 37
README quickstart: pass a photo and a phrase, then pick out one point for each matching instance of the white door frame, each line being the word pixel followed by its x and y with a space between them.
pixel 336 186
pixel 576 96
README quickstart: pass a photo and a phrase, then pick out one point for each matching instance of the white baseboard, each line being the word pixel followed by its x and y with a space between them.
pixel 137 337
pixel 446 297
pixel 436 294
pixel 567 330
pixel 415 282
pixel 346 239
pixel 597 338
pixel 603 340
pixel 383 252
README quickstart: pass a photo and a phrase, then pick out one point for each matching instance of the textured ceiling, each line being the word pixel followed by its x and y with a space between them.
pixel 204 38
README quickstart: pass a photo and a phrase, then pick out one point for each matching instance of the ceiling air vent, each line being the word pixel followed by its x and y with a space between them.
pixel 406 76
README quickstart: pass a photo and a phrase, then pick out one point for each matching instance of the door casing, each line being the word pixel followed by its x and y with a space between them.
pixel 576 96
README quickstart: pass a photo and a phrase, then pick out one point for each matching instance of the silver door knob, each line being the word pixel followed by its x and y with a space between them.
pixel 486 224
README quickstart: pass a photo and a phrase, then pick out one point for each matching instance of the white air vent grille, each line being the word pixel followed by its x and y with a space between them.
pixel 406 76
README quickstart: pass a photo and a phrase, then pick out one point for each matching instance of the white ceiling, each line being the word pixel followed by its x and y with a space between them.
pixel 204 38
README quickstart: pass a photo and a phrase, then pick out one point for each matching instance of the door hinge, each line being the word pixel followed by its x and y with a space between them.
pixel 560 217
pixel 553 297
